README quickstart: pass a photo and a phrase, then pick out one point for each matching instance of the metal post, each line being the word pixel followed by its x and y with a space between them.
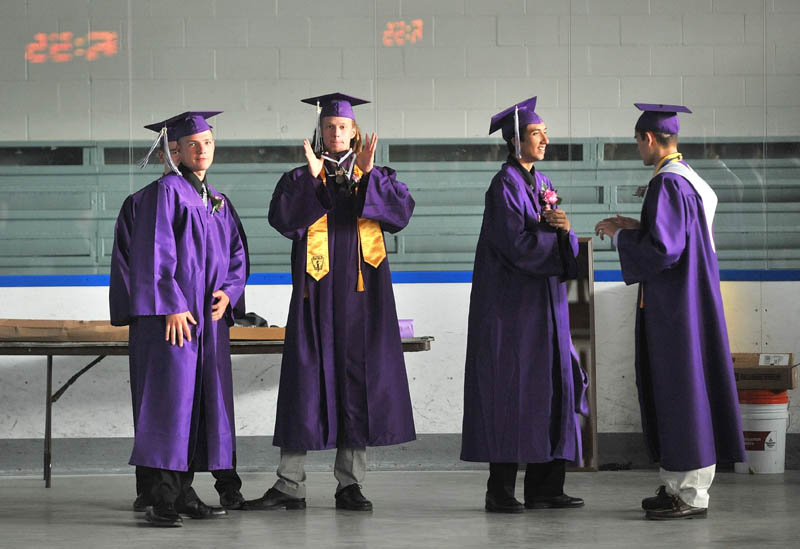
pixel 47 422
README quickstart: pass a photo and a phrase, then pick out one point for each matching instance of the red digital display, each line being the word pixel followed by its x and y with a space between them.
pixel 61 47
pixel 400 33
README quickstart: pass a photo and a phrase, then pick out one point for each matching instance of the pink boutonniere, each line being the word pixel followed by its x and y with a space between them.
pixel 217 203
pixel 550 197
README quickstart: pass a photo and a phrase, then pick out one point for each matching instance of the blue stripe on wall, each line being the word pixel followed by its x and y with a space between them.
pixel 269 279
pixel 726 275
pixel 10 281
pixel 400 277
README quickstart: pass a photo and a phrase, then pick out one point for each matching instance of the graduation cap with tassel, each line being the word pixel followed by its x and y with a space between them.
pixel 332 104
pixel 510 120
pixel 172 129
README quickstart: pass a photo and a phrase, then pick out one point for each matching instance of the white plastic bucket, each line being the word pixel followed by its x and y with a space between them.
pixel 764 428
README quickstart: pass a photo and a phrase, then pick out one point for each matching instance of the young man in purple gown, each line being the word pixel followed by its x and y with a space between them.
pixel 520 403
pixel 228 483
pixel 184 266
pixel 343 381
pixel 684 373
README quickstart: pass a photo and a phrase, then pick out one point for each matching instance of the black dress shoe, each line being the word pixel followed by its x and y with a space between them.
pixel 503 504
pixel 275 499
pixel 232 500
pixel 163 515
pixel 562 501
pixel 351 498
pixel 660 501
pixel 677 510
pixel 196 509
pixel 141 503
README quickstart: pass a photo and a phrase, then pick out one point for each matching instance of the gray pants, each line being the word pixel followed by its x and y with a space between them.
pixel 349 468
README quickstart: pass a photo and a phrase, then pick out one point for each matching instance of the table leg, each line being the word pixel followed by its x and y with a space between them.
pixel 47 422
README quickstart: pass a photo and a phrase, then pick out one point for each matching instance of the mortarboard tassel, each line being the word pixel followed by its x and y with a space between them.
pixel 516 132
pixel 360 279
pixel 143 162
pixel 167 155
pixel 360 284
pixel 161 138
pixel 318 133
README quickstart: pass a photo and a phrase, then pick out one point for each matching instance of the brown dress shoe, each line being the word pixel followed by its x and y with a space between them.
pixel 660 501
pixel 677 510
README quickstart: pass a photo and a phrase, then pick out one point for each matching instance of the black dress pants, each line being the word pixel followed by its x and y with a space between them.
pixel 228 480
pixel 541 479
pixel 167 487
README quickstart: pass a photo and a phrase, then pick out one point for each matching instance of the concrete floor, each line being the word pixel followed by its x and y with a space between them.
pixel 412 509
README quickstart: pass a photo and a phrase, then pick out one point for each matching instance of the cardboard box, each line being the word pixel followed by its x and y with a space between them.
pixel 101 330
pixel 61 330
pixel 257 333
pixel 775 371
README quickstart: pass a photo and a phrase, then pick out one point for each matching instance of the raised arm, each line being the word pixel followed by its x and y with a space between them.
pixel 298 201
pixel 385 199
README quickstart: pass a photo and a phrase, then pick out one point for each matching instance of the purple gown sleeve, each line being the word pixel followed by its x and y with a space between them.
pixel 298 201
pixel 238 269
pixel 239 309
pixel 153 255
pixel 519 237
pixel 387 200
pixel 119 279
pixel 659 243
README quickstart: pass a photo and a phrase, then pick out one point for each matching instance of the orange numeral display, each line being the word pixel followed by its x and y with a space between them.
pixel 398 33
pixel 104 42
pixel 34 49
pixel 57 46
pixel 61 49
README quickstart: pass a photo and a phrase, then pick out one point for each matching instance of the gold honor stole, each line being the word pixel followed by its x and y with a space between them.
pixel 371 246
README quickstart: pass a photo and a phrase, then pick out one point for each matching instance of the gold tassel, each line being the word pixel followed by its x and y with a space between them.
pixel 360 283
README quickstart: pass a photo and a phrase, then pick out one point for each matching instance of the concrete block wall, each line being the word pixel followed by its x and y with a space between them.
pixel 733 61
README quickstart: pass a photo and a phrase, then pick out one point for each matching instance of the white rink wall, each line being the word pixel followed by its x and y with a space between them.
pixel 762 317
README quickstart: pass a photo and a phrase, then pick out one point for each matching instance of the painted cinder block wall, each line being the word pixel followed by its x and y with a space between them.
pixel 733 61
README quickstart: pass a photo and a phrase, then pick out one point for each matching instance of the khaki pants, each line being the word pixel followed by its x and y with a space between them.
pixel 349 468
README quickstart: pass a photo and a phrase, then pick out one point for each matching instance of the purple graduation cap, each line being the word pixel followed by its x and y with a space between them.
pixel 335 104
pixel 172 129
pixel 659 118
pixel 514 117
pixel 332 104
pixel 158 127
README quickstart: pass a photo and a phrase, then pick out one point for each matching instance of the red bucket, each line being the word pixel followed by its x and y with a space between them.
pixel 762 396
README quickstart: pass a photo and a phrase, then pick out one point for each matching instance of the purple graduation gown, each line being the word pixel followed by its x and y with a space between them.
pixel 343 379
pixel 519 399
pixel 684 373
pixel 170 255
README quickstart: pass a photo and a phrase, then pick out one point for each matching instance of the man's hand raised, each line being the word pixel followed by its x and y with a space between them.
pixel 366 158
pixel 314 163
